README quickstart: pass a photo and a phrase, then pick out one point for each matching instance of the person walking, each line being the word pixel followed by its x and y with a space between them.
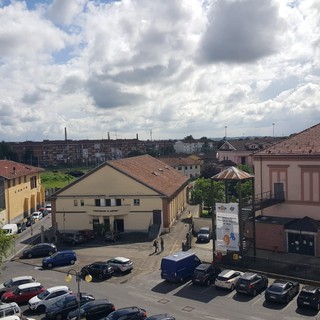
pixel 161 244
pixel 155 244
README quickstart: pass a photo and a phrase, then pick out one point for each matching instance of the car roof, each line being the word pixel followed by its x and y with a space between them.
pixel 8 304
pixel 309 288
pixel 45 243
pixel 29 285
pixel 22 278
pixel 66 251
pixel 204 228
pixel 36 212
pixel 97 302
pixel 126 310
pixel 122 259
pixel 162 316
pixel 248 275
pixel 203 266
pixel 280 282
pixel 227 273
pixel 57 288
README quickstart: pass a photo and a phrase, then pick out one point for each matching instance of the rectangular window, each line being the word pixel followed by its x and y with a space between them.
pixel 82 203
pixel 136 202
pixel 179 168
pixel 25 179
pixel 108 202
pixel 185 168
pixel 19 180
pixel 13 182
pixel 75 203
pixel 118 202
pixel 190 167
pixel 97 202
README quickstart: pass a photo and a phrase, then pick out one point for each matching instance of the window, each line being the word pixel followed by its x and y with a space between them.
pixel 108 202
pixel 97 202
pixel 185 168
pixel 82 203
pixel 75 203
pixel 118 202
pixel 136 202
pixel 13 182
pixel 19 180
pixel 190 167
pixel 179 168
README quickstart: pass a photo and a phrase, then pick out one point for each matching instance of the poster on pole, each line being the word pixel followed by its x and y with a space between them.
pixel 227 226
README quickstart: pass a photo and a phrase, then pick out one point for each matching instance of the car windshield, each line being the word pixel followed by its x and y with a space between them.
pixel 305 294
pixel 43 294
pixel 8 283
pixel 199 272
pixel 54 255
pixel 203 231
pixel 16 291
pixel 276 289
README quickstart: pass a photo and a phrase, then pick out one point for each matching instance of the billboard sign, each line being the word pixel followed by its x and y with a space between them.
pixel 227 226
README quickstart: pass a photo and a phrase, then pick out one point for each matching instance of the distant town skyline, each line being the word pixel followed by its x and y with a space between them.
pixel 159 69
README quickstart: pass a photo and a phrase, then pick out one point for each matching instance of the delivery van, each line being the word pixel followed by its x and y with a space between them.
pixel 179 266
pixel 10 228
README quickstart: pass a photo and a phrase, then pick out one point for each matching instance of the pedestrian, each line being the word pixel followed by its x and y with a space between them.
pixel 161 244
pixel 155 244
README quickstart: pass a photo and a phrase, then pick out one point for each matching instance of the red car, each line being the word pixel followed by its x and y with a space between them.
pixel 23 293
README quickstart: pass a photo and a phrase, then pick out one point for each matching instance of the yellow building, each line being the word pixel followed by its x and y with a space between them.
pixel 21 191
pixel 133 194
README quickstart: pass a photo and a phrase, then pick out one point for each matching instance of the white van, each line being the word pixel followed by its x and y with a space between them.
pixel 10 228
pixel 10 309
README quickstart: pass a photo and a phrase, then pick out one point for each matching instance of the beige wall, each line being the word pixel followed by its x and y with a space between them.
pixel 235 156
pixel 21 200
pixel 107 183
pixel 301 181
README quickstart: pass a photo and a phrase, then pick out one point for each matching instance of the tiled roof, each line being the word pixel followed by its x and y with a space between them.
pixel 306 142
pixel 152 173
pixel 10 169
pixel 232 173
pixel 180 161
pixel 252 145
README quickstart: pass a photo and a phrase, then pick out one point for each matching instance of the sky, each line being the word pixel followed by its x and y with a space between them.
pixel 160 69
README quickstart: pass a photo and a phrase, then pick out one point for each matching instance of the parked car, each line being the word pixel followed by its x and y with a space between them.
pixel 93 310
pixel 23 293
pixel 29 221
pixel 48 297
pixel 309 297
pixel 71 238
pixel 44 211
pixel 10 229
pixel 40 250
pixel 227 279
pixel 112 236
pixel 88 234
pixel 62 307
pixel 282 291
pixel 205 274
pixel 37 215
pixel 21 226
pixel 13 283
pixel 204 234
pixel 60 258
pixel 163 316
pixel 10 309
pixel 48 207
pixel 129 313
pixel 251 283
pixel 121 264
pixel 98 269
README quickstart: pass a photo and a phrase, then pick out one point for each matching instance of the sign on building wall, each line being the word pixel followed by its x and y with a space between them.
pixel 227 226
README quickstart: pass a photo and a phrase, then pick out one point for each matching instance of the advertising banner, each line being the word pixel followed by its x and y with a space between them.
pixel 227 226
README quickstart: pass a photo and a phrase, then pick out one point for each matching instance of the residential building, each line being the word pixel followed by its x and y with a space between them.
pixel 290 167
pixel 192 146
pixel 189 166
pixel 21 191
pixel 240 151
pixel 132 194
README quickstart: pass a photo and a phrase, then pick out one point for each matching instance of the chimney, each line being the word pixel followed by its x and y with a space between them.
pixel 108 135
pixel 137 136
pixel 65 134
pixel 14 171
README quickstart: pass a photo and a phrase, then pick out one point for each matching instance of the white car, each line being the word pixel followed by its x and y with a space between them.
pixel 48 297
pixel 121 264
pixel 37 215
pixel 227 279
pixel 48 207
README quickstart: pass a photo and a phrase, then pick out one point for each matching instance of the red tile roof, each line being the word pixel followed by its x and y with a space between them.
pixel 151 172
pixel 306 142
pixel 11 169
pixel 180 161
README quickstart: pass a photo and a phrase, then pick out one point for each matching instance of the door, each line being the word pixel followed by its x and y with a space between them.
pixel 106 223
pixel 278 191
pixel 118 225
pixel 301 243
pixel 96 226
pixel 157 217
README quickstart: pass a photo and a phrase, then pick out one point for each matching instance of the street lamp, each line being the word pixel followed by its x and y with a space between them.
pixel 88 278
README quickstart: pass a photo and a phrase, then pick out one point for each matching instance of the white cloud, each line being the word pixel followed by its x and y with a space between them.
pixel 175 67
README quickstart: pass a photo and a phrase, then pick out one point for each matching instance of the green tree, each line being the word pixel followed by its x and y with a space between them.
pixel 201 192
pixel 7 153
pixel 6 245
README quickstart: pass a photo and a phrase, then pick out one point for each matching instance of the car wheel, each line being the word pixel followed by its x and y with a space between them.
pixel 72 262
pixel 100 276
pixel 254 292
pixel 29 255
pixel 59 316
pixel 50 265
pixel 232 287
pixel 41 309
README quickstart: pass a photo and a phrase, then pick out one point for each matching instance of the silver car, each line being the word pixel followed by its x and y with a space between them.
pixel 121 264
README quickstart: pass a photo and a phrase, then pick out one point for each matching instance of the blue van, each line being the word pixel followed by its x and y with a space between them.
pixel 179 266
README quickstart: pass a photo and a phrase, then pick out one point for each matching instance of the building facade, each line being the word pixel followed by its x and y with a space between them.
pixel 126 195
pixel 291 167
pixel 21 191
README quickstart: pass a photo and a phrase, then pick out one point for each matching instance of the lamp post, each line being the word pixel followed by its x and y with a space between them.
pixel 88 278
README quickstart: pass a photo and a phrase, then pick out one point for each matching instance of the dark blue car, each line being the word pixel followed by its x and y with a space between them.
pixel 60 258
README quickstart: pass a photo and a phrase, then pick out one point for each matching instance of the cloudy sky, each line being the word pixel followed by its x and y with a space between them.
pixel 162 69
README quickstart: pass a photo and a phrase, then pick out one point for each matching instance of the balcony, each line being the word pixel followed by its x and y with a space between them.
pixel 107 210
